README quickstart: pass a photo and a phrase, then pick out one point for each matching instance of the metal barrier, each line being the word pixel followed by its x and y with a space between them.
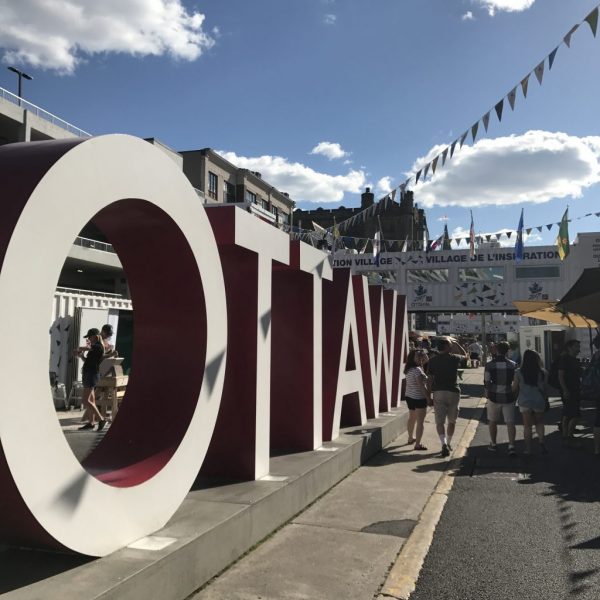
pixel 95 244
pixel 42 114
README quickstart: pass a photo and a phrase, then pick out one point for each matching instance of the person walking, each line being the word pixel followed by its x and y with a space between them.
pixel 529 387
pixel 442 384
pixel 93 356
pixel 417 396
pixel 569 378
pixel 498 377
pixel 475 351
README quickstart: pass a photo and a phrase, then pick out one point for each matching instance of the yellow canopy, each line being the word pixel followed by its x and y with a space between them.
pixel 546 310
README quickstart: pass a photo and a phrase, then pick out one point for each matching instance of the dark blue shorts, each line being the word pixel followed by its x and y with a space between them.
pixel 90 380
pixel 571 406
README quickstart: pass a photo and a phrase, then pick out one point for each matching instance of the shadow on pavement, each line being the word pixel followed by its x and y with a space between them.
pixel 24 567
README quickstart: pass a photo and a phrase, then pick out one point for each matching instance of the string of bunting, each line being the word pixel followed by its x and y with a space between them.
pixel 511 97
pixel 447 154
pixel 314 236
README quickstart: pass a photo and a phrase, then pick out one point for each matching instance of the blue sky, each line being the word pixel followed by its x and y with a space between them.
pixel 369 86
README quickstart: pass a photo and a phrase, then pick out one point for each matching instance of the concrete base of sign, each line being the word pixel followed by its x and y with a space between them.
pixel 215 525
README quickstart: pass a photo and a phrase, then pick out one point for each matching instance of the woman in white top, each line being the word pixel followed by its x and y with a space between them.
pixel 417 397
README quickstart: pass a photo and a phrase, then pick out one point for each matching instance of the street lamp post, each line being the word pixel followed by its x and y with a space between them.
pixel 21 75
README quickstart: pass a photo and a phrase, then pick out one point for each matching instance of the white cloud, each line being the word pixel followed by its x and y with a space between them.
pixel 60 34
pixel 329 19
pixel 384 185
pixel 505 5
pixel 330 149
pixel 300 181
pixel 534 167
pixel 468 16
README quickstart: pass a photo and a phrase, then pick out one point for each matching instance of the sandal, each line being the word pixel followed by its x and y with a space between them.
pixel 411 441
pixel 420 447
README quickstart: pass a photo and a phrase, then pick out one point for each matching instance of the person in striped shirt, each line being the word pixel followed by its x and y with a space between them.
pixel 417 396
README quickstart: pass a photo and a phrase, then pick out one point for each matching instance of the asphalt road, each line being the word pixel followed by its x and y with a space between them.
pixel 525 527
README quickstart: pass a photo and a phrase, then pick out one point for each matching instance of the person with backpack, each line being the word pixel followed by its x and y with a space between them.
pixel 529 387
pixel 569 379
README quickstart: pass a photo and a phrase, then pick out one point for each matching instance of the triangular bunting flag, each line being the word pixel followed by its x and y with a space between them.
pixel 539 228
pixel 434 164
pixel 551 57
pixel 499 108
pixel 474 130
pixel 488 238
pixel 444 155
pixel 592 20
pixel 463 138
pixel 486 120
pixel 512 96
pixel 524 85
pixel 418 176
pixel 528 230
pixel 452 148
pixel 549 226
pixel 567 38
pixel 486 288
pixel 508 234
pixel 539 72
pixel 426 171
pixel 597 214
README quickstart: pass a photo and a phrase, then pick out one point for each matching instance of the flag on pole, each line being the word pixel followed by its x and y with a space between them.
pixel 562 240
pixel 472 238
pixel 519 243
pixel 436 244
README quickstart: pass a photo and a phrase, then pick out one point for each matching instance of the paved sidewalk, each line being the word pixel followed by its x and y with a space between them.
pixel 344 545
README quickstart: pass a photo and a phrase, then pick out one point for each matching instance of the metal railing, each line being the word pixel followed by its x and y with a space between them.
pixel 80 292
pixel 43 114
pixel 94 244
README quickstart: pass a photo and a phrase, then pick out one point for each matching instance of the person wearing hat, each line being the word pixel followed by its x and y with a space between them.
pixel 92 355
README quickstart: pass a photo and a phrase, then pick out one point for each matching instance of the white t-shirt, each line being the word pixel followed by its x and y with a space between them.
pixel 413 389
pixel 475 348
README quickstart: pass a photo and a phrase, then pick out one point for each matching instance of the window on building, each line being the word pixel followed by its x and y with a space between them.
pixel 264 203
pixel 213 182
pixel 284 218
pixel 228 192
pixel 537 272
pixel 250 197
pixel 427 276
pixel 481 274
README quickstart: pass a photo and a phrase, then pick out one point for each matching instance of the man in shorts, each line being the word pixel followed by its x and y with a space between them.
pixel 475 351
pixel 442 383
pixel 569 377
pixel 497 378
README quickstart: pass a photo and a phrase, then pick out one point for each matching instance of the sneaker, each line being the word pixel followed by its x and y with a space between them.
pixel 445 451
pixel 449 446
pixel 101 425
pixel 493 447
pixel 86 426
pixel 512 451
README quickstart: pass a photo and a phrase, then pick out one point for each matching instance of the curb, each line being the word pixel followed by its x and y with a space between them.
pixel 402 578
